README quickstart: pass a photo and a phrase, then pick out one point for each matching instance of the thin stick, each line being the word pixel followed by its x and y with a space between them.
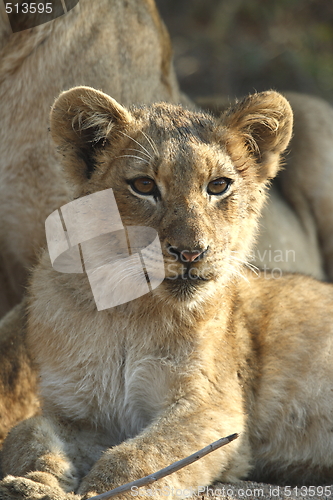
pixel 167 470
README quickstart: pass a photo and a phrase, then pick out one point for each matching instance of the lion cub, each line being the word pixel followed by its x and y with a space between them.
pixel 213 350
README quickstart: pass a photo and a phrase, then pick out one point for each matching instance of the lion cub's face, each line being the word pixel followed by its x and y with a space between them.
pixel 200 182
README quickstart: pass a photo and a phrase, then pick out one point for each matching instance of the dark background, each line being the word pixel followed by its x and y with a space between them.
pixel 234 47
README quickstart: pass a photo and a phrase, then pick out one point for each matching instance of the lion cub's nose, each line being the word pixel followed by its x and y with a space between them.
pixel 187 255
pixel 190 256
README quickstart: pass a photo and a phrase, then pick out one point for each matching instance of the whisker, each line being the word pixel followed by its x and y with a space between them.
pixel 140 145
pixel 138 151
pixel 133 156
pixel 250 266
pixel 239 274
pixel 151 142
pixel 235 270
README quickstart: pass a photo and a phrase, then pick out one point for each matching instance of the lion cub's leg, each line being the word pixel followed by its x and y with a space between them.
pixel 37 445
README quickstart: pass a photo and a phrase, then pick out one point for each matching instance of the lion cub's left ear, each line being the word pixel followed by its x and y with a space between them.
pixel 82 120
pixel 261 128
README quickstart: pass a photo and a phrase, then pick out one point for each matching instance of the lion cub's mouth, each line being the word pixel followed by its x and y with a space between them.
pixel 184 286
pixel 187 276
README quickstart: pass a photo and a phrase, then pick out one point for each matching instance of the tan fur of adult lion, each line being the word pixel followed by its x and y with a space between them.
pixel 119 47
pixel 155 379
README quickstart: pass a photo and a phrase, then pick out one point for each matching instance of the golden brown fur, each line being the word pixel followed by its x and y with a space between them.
pixel 54 57
pixel 130 389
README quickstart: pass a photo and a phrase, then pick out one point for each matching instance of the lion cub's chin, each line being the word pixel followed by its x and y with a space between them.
pixel 187 293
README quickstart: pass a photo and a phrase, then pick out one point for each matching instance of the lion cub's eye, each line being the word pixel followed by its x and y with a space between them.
pixel 218 186
pixel 144 185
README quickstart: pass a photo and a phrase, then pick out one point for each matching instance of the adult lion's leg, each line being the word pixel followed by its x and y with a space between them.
pixel 284 244
pixel 307 180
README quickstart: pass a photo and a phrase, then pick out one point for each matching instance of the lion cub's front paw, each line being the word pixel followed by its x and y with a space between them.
pixel 19 488
pixel 55 471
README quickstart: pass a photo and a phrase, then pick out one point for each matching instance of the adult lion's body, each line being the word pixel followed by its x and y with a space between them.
pixel 299 215
pixel 213 350
pixel 120 47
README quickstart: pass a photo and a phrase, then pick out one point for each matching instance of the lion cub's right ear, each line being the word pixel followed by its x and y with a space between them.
pixel 83 120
